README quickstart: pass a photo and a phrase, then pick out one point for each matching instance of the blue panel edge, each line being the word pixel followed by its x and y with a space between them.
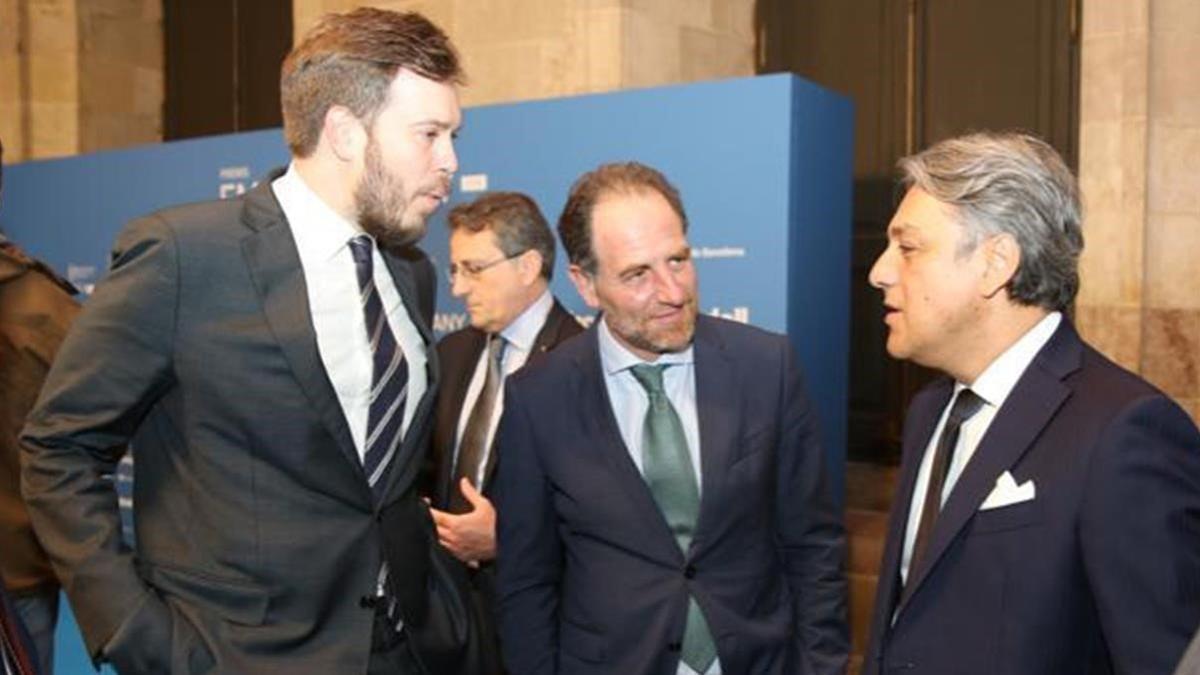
pixel 819 245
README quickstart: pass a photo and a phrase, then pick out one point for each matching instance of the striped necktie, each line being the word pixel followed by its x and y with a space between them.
pixel 14 659
pixel 389 373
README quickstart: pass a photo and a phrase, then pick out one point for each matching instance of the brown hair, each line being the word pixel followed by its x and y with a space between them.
pixel 350 60
pixel 516 221
pixel 627 178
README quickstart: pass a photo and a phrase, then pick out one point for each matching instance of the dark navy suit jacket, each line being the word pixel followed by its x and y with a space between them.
pixel 1099 573
pixel 591 579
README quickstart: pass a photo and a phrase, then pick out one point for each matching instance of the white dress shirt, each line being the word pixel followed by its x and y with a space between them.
pixel 519 337
pixel 322 239
pixel 993 386
pixel 630 403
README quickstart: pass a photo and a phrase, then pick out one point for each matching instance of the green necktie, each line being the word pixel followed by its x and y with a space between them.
pixel 667 469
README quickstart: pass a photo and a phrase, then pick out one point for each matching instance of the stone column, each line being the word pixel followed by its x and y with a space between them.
pixel 1140 173
pixel 79 75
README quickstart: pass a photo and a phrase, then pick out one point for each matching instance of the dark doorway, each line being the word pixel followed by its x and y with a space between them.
pixel 222 65
pixel 919 71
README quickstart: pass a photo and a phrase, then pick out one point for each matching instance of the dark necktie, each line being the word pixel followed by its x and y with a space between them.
pixel 472 448
pixel 13 655
pixel 389 373
pixel 966 404
pixel 667 469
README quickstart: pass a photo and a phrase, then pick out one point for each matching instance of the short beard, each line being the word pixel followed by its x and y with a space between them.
pixel 381 207
pixel 665 342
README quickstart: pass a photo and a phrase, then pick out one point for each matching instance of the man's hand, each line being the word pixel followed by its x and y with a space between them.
pixel 471 537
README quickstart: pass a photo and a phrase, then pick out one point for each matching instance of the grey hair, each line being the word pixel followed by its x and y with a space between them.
pixel 1010 183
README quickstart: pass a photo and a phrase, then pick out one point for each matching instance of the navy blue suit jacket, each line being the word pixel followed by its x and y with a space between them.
pixel 1099 573
pixel 590 577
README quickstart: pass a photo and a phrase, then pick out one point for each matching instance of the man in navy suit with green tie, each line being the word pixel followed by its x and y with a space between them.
pixel 661 495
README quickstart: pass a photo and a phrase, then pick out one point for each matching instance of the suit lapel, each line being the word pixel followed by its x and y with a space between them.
pixel 454 393
pixel 274 265
pixel 718 409
pixel 601 434
pixel 1029 407
pixel 547 338
pixel 551 333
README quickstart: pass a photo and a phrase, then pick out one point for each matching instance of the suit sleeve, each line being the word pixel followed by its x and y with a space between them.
pixel 1140 535
pixel 529 552
pixel 113 366
pixel 811 537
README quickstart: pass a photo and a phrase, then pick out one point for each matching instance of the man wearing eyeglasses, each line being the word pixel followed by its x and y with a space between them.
pixel 501 261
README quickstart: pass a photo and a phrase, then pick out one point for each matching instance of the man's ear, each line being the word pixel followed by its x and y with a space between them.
pixel 345 134
pixel 529 266
pixel 1002 257
pixel 585 283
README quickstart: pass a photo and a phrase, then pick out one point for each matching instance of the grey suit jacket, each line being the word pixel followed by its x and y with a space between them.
pixel 259 542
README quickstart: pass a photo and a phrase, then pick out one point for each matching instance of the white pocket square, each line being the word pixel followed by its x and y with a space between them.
pixel 1007 492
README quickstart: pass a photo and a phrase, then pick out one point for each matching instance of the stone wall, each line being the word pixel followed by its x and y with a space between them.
pixel 79 75
pixel 1140 173
pixel 517 50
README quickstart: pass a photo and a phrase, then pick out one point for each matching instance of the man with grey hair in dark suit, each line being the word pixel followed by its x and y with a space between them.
pixel 1047 515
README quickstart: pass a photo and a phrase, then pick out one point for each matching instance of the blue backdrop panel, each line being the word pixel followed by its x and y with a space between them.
pixel 763 165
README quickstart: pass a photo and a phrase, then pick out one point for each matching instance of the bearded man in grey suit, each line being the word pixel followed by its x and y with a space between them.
pixel 269 359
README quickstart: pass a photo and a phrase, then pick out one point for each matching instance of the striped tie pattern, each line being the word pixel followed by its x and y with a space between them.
pixel 389 389
pixel 389 375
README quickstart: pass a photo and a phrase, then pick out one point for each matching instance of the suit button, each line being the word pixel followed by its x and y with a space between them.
pixel 674 646
pixel 689 572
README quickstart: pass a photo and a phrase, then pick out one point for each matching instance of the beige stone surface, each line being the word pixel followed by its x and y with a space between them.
pixel 123 129
pixel 1191 405
pixel 1106 17
pixel 526 49
pixel 603 34
pixel 52 26
pixel 1175 78
pixel 735 18
pixel 1175 15
pixel 1113 186
pixel 1135 74
pixel 1100 95
pixel 1171 354
pixel 54 130
pixel 652 51
pixel 53 78
pixel 1115 331
pixel 1172 249
pixel 9 32
pixel 1174 180
pixel 707 55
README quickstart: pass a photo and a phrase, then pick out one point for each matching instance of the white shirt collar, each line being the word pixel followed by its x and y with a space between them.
pixel 320 232
pixel 615 357
pixel 524 329
pixel 998 379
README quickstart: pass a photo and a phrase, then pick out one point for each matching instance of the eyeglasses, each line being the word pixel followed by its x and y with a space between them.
pixel 470 270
